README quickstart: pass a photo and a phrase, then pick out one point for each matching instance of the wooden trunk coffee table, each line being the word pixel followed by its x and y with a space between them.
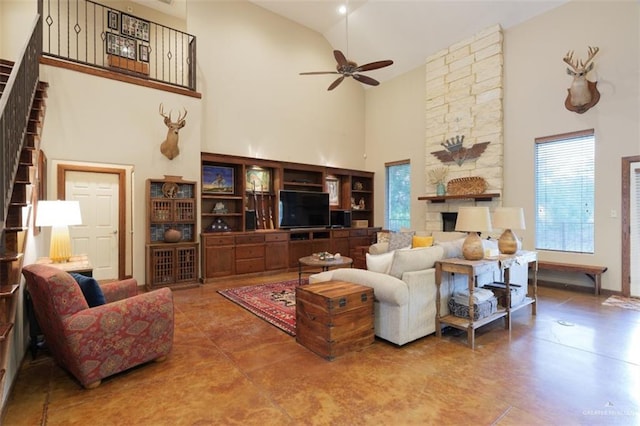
pixel 324 265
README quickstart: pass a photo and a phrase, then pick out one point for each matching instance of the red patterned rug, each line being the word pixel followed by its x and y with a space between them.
pixel 273 302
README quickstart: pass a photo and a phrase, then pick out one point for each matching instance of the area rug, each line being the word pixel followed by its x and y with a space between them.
pixel 273 302
pixel 623 302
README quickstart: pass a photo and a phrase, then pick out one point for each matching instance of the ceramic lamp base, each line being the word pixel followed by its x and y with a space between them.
pixel 472 247
pixel 508 242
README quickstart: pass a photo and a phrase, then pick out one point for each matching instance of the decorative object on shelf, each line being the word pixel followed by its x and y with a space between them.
pixel 219 225
pixel 358 186
pixel 169 147
pixel 354 206
pixel 220 208
pixel 59 215
pixel 172 235
pixel 454 152
pixel 258 179
pixel 437 177
pixel 473 220
pixel 466 186
pixel 333 190
pixel 508 218
pixel 361 205
pixel 583 94
pixel 170 189
pixel 217 179
pixel 143 53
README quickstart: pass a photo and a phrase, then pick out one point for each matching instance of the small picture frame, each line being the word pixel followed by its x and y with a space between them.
pixel 121 46
pixel 143 53
pixel 217 180
pixel 333 188
pixel 258 180
pixel 113 20
pixel 134 27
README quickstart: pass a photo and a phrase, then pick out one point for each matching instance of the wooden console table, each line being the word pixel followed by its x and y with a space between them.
pixel 473 268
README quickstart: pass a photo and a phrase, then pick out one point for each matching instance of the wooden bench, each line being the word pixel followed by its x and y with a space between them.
pixel 592 271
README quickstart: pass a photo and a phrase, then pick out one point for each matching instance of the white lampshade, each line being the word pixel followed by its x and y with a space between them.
pixel 59 215
pixel 473 220
pixel 508 218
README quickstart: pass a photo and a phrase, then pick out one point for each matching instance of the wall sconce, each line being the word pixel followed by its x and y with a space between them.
pixel 59 215
pixel 508 218
pixel 473 220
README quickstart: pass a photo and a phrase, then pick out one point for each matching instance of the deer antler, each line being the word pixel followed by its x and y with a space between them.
pixel 182 117
pixel 568 58
pixel 592 52
pixel 161 111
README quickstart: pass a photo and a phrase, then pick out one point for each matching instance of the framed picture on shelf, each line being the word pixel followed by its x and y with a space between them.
pixel 134 27
pixel 121 46
pixel 113 20
pixel 258 179
pixel 143 53
pixel 217 180
pixel 333 188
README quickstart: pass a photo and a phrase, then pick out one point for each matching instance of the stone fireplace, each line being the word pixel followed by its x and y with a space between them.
pixel 464 92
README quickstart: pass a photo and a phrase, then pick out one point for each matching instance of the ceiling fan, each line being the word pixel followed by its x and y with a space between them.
pixel 347 68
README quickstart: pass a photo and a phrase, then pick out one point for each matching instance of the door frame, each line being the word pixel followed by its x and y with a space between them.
pixel 626 223
pixel 121 173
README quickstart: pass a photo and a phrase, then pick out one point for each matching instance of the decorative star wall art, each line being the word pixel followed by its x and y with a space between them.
pixel 454 152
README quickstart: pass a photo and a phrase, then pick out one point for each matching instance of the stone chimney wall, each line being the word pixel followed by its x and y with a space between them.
pixel 464 89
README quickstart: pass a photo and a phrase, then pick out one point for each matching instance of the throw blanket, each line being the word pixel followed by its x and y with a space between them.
pixel 479 295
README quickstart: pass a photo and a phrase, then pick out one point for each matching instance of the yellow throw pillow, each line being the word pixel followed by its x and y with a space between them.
pixel 421 241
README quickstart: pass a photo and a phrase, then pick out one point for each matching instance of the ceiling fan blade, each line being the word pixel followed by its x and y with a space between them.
pixel 366 80
pixel 319 72
pixel 374 65
pixel 336 82
pixel 340 58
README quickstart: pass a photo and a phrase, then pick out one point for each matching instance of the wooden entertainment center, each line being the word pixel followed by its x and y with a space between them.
pixel 240 209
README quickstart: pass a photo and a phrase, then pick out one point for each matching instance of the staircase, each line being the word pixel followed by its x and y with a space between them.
pixel 15 222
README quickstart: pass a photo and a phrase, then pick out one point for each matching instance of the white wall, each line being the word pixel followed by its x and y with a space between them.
pixel 535 89
pixel 395 123
pixel 255 103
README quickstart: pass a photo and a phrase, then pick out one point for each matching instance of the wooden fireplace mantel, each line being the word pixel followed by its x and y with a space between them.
pixel 443 198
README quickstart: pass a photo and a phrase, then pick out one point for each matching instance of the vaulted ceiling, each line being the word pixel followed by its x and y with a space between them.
pixel 405 31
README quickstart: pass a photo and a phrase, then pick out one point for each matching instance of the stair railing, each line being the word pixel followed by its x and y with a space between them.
pixel 15 106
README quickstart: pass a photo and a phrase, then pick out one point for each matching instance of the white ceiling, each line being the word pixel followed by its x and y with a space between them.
pixel 405 31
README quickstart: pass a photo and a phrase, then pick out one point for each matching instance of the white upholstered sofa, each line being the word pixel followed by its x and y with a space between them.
pixel 405 290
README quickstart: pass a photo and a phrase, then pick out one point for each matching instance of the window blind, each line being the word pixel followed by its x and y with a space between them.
pixel 565 195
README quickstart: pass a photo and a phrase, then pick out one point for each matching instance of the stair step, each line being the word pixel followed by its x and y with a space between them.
pixel 19 193
pixel 9 257
pixel 26 157
pixel 5 328
pixel 7 291
pixel 14 218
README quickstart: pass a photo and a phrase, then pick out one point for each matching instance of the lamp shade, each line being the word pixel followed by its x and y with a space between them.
pixel 473 219
pixel 58 213
pixel 508 218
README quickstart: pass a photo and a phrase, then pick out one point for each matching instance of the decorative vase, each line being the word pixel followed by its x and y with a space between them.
pixel 172 235
pixel 441 189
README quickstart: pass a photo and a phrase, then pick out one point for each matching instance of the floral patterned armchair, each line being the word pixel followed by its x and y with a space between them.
pixel 94 343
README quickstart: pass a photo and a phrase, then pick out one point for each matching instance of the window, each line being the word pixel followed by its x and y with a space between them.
pixel 564 179
pixel 398 208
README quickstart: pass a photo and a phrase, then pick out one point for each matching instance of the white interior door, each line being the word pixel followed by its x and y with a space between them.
pixel 98 234
pixel 634 232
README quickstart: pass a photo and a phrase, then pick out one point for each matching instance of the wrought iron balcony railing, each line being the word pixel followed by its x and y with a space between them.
pixel 92 34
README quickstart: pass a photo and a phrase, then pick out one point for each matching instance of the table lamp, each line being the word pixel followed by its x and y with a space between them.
pixel 59 215
pixel 473 220
pixel 508 218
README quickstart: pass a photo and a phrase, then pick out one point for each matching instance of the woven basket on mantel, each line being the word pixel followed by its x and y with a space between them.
pixel 466 186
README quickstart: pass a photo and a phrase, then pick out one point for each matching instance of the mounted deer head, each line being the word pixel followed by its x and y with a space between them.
pixel 583 94
pixel 169 146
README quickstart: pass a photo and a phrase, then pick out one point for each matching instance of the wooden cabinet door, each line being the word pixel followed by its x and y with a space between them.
pixel 276 256
pixel 219 261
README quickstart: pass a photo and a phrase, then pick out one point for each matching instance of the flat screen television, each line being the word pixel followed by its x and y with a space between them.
pixel 303 209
